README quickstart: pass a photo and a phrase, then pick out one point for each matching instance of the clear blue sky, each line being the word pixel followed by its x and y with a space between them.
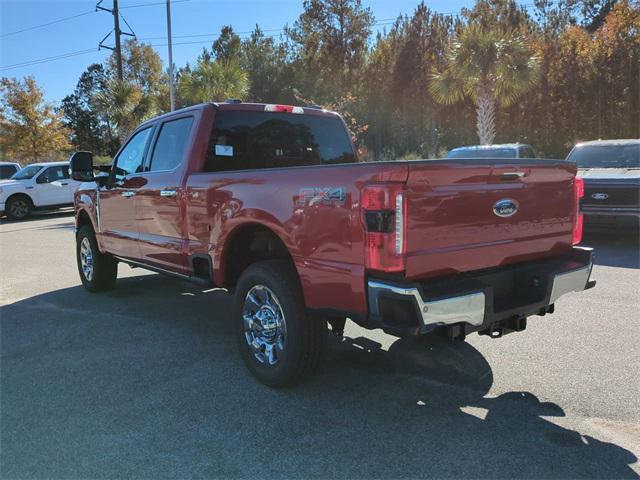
pixel 189 17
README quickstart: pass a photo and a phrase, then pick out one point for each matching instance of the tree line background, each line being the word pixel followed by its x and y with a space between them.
pixel 586 55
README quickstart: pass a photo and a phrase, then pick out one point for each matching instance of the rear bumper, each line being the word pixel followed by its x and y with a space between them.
pixel 479 301
pixel 589 211
pixel 625 217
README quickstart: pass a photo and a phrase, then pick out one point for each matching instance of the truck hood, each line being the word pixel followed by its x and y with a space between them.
pixel 11 183
pixel 626 176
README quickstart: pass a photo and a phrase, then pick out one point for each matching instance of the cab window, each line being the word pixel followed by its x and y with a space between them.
pixel 252 140
pixel 131 156
pixel 52 174
pixel 527 152
pixel 171 146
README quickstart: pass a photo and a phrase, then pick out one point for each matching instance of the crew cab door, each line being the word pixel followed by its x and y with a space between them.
pixel 53 186
pixel 160 199
pixel 117 208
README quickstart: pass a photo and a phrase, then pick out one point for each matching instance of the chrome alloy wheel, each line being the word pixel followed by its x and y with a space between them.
pixel 265 328
pixel 86 259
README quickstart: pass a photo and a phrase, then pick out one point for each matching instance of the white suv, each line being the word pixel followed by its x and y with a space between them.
pixel 37 186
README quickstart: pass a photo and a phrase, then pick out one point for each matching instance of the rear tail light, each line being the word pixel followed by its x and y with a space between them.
pixel 384 216
pixel 578 219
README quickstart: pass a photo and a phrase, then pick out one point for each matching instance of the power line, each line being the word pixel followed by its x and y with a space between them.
pixel 48 59
pixel 71 17
pixel 27 29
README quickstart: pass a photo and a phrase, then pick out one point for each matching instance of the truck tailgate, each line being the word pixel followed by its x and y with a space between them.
pixel 452 225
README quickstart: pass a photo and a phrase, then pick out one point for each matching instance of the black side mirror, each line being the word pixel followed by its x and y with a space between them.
pixel 81 166
pixel 42 179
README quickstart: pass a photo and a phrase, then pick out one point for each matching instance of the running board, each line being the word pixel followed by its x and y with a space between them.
pixel 180 276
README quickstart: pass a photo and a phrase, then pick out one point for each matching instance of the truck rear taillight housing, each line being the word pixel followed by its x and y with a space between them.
pixel 384 215
pixel 578 218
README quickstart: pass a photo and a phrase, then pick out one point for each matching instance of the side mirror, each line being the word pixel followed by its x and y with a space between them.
pixel 81 167
pixel 42 179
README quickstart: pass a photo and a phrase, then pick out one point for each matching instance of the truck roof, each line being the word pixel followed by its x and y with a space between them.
pixel 244 107
pixel 610 143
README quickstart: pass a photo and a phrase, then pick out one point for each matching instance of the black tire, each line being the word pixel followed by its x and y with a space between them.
pixel 305 340
pixel 104 266
pixel 19 207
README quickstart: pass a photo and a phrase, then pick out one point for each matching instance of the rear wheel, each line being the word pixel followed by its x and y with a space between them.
pixel 98 271
pixel 19 207
pixel 279 341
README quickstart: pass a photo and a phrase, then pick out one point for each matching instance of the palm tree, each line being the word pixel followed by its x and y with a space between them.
pixel 490 67
pixel 213 81
pixel 125 105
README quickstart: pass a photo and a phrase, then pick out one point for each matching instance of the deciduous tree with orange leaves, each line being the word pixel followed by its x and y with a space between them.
pixel 30 129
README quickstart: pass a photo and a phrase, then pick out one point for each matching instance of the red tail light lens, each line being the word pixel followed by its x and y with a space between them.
pixel 384 218
pixel 578 219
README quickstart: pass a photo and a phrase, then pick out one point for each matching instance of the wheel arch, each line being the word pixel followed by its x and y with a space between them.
pixel 246 244
pixel 20 194
pixel 83 218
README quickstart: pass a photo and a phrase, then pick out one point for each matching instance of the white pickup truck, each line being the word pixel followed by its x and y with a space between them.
pixel 38 186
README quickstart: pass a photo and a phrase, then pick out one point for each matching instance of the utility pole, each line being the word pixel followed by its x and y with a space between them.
pixel 117 33
pixel 171 97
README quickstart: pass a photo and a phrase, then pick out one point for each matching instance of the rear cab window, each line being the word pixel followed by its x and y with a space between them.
pixel 245 140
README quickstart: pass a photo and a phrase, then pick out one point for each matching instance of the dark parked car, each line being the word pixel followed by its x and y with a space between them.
pixel 504 150
pixel 611 172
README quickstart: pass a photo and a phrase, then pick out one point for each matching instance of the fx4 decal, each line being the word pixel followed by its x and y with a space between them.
pixel 322 196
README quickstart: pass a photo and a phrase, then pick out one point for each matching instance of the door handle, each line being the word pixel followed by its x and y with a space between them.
pixel 128 194
pixel 511 175
pixel 168 193
pixel 64 184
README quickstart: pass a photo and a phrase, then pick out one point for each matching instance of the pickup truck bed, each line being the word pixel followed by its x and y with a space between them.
pixel 267 201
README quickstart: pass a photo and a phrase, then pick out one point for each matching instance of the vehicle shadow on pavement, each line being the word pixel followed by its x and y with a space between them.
pixel 615 248
pixel 41 215
pixel 145 381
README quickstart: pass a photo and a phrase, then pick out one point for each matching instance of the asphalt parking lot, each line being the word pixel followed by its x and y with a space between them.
pixel 144 382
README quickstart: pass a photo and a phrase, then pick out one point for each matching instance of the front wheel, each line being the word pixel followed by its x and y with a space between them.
pixel 19 207
pixel 98 271
pixel 279 341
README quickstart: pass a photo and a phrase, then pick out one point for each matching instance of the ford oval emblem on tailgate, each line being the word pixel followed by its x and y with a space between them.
pixel 505 207
pixel 599 196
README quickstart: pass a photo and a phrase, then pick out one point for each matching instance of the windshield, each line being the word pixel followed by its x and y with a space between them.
pixel 27 172
pixel 482 153
pixel 606 156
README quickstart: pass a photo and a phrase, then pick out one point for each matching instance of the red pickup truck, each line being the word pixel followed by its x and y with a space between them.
pixel 269 202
